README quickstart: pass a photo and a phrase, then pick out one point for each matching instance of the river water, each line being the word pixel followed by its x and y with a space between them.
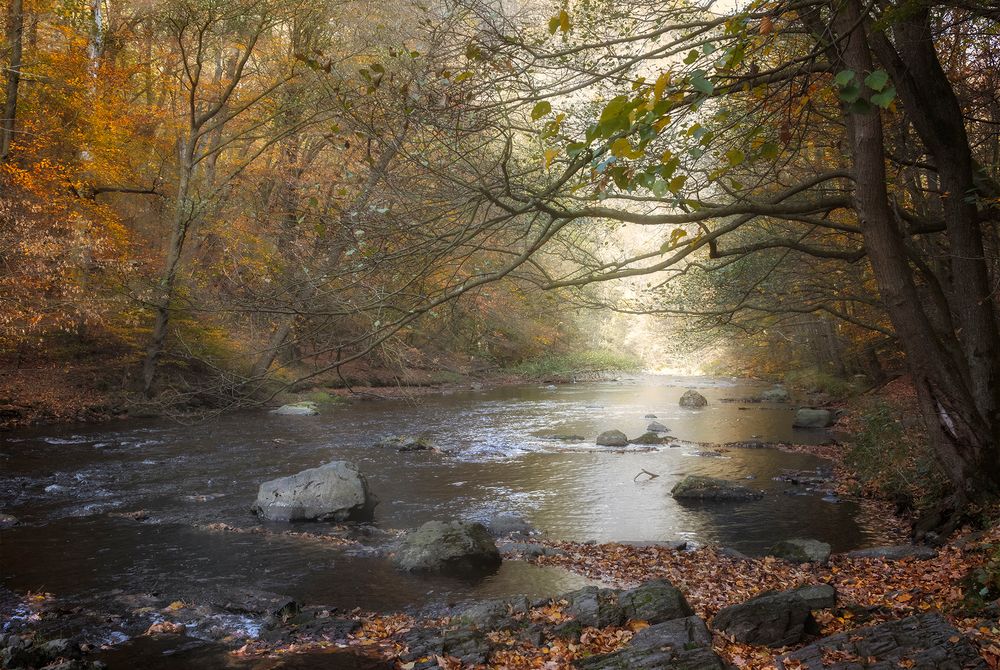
pixel 66 485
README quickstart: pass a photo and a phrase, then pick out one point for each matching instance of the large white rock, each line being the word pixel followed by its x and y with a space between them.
pixel 337 491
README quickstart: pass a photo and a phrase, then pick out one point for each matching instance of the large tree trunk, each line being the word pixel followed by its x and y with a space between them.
pixel 933 107
pixel 15 30
pixel 963 438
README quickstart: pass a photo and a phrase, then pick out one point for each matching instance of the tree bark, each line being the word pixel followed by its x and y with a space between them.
pixel 15 32
pixel 963 440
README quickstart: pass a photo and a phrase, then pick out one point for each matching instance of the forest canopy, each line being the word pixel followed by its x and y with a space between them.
pixel 264 193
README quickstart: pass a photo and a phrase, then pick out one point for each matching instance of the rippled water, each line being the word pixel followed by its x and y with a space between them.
pixel 66 484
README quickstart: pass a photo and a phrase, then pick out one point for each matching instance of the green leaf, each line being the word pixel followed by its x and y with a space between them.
pixel 860 106
pixel 708 48
pixel 540 109
pixel 553 25
pixel 885 98
pixel 676 184
pixel 850 93
pixel 735 157
pixel 770 150
pixel 701 84
pixel 844 77
pixel 613 109
pixel 877 80
pixel 692 56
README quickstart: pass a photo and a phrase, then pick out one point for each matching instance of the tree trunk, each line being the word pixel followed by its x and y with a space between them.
pixel 15 31
pixel 963 440
pixel 165 289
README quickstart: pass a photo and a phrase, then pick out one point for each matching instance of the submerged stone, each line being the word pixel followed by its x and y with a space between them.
pixel 696 487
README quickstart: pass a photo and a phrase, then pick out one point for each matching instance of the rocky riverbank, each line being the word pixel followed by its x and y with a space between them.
pixel 663 605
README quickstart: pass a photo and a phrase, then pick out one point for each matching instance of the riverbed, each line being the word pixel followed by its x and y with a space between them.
pixel 74 488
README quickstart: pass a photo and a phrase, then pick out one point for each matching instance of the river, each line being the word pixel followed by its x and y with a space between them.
pixel 69 487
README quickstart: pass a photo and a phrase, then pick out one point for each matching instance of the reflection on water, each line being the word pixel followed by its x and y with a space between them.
pixel 64 483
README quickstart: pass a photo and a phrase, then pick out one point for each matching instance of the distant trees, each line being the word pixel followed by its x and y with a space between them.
pixel 823 130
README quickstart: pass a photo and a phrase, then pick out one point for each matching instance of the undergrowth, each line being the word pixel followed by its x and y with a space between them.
pixel 592 360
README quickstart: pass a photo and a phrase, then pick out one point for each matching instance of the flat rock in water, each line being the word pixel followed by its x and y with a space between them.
pixel 776 394
pixel 657 427
pixel 922 642
pixel 807 417
pixel 696 487
pixel 692 399
pixel 801 551
pixel 453 546
pixel 775 619
pixel 679 644
pixel 896 553
pixel 406 443
pixel 612 438
pixel 649 438
pixel 337 491
pixel 306 408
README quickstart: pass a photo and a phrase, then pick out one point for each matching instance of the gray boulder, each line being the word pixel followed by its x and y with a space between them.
pixel 655 601
pixel 452 546
pixel 895 553
pixel 696 487
pixel 8 521
pixel 692 399
pixel 801 551
pixel 807 417
pixel 612 438
pixel 679 644
pixel 491 614
pixel 924 642
pixel 776 394
pixel 406 443
pixel 337 491
pixel 775 619
pixel 649 438
pixel 304 408
pixel 594 606
pixel 657 427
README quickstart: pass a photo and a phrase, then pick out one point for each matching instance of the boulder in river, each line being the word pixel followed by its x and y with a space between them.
pixel 776 394
pixel 696 487
pixel 693 400
pixel 895 553
pixel 801 551
pixel 453 546
pixel 304 408
pixel 406 443
pixel 337 491
pixel 649 438
pixel 921 642
pixel 678 644
pixel 775 619
pixel 808 417
pixel 612 438
pixel 657 427
pixel 8 521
